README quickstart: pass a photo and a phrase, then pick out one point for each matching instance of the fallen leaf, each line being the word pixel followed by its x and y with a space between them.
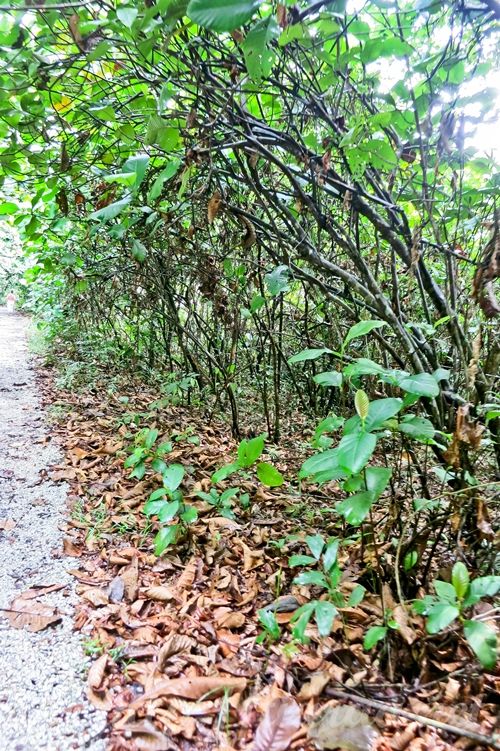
pixel 315 686
pixel 7 524
pixel 95 596
pixel 31 615
pixel 163 594
pixel 278 726
pixel 38 590
pixel 70 549
pixel 343 727
pixel 116 589
pixel 173 645
pixel 97 672
pixel 146 737
pixel 130 578
pixel 192 688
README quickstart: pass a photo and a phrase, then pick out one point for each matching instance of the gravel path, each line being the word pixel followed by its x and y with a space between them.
pixel 42 675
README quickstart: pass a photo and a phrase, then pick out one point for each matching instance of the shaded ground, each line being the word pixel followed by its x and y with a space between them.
pixel 42 689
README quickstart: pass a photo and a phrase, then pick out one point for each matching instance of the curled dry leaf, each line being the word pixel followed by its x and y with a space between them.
pixel 188 576
pixel 173 645
pixel 37 590
pixel 194 709
pixel 192 688
pixel 116 589
pixel 30 615
pixel 278 725
pixel 97 672
pixel 160 593
pixel 314 687
pixel 213 207
pixel 70 549
pixel 147 737
pixel 343 727
pixel 130 578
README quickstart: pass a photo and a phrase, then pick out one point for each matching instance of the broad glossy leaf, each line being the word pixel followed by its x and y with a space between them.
pixel 354 451
pixel 311 577
pixel 269 475
pixel 258 56
pixel 422 384
pixel 418 428
pixel 309 354
pixel 440 616
pixel 377 479
pixel 324 615
pixel 483 586
pixel 374 635
pixel 483 641
pixel 172 478
pixel 356 507
pixel 315 543
pixel 110 211
pixel 221 15
pixel 168 511
pixel 250 450
pixel 328 378
pixel 460 579
pixel 165 537
pixel 361 329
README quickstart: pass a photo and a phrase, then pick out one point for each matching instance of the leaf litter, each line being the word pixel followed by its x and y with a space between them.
pixel 179 665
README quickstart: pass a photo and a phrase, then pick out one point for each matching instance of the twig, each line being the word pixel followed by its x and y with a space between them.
pixel 483 740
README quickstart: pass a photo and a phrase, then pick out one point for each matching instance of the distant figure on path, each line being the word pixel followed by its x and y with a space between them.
pixel 11 299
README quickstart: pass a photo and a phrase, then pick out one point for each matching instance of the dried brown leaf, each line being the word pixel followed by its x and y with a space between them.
pixel 97 672
pixel 30 615
pixel 213 207
pixel 192 688
pixel 278 725
pixel 7 524
pixel 147 737
pixel 343 727
pixel 315 686
pixel 163 594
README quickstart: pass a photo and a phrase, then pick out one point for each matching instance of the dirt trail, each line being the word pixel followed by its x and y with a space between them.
pixel 42 674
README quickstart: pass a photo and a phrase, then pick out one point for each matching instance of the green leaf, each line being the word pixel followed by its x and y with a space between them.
pixel 172 478
pixel 410 560
pixel 354 451
pixel 277 281
pixel 483 641
pixel 324 466
pixel 315 543
pixel 440 616
pixel 151 437
pixel 139 471
pixel 330 555
pixel 422 384
pixel 110 211
pixel 138 166
pixel 445 591
pixel 362 366
pixel 309 354
pixel 165 537
pixel 381 410
pixel 168 511
pixel 300 620
pixel 250 450
pixel 127 15
pixel 269 475
pixel 483 586
pixel 328 378
pixel 153 507
pixel 258 57
pixel 301 560
pixel 356 596
pixel 170 170
pixel 189 515
pixel 311 577
pixel 361 329
pixel 374 635
pixel 268 619
pixel 377 479
pixel 356 507
pixel 460 579
pixel 224 472
pixel 221 15
pixel 419 428
pixel 325 614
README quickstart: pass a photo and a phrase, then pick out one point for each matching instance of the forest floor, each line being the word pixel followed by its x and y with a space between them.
pixel 175 639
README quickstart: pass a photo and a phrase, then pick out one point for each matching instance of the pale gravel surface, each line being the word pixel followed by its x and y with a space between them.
pixel 42 675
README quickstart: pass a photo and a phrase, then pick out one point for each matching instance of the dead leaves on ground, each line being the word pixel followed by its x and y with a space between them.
pixel 26 612
pixel 179 667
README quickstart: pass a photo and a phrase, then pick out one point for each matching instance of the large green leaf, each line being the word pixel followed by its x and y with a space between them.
pixel 250 450
pixel 309 354
pixel 354 451
pixel 422 384
pixel 441 614
pixel 258 56
pixel 483 641
pixel 110 211
pixel 221 15
pixel 355 508
pixel 361 329
pixel 269 475
pixel 328 378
